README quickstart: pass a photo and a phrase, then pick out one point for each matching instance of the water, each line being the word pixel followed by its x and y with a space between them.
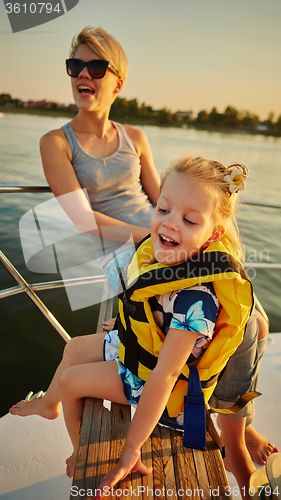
pixel 31 348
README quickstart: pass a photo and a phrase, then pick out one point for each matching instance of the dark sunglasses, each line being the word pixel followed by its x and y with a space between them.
pixel 96 67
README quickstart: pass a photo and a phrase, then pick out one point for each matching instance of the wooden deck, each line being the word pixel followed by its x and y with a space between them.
pixel 178 472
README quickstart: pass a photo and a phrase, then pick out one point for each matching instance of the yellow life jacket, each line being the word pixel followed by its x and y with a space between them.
pixel 141 338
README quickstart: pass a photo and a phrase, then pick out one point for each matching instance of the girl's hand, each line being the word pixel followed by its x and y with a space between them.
pixel 130 460
pixel 109 325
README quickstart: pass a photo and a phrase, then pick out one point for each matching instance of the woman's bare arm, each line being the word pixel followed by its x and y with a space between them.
pixel 149 177
pixel 56 158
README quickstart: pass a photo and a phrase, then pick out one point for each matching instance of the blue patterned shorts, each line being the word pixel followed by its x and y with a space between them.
pixel 132 384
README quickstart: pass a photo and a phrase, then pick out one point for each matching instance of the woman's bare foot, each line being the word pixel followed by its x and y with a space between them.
pixel 35 407
pixel 70 465
pixel 258 446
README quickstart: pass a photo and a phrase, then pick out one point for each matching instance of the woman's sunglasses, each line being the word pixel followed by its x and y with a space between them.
pixel 96 67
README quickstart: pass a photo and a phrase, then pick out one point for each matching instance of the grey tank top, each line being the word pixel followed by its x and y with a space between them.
pixel 114 189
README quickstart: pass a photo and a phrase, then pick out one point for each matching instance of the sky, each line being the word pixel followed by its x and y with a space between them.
pixel 183 54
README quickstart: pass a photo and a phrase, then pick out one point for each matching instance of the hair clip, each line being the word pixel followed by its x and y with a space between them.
pixel 235 179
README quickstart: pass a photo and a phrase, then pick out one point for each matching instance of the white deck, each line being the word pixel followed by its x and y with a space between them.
pixel 33 450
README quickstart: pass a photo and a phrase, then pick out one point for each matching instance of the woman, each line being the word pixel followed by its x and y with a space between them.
pixel 113 162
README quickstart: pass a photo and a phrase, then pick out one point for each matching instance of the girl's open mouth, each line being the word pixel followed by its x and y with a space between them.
pixel 167 242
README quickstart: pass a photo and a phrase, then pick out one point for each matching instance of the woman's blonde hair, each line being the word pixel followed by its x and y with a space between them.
pixel 105 46
pixel 211 175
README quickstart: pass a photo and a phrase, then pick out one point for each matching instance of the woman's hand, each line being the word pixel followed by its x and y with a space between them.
pixel 130 460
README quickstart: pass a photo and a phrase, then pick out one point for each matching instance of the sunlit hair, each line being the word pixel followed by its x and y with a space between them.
pixel 105 46
pixel 210 175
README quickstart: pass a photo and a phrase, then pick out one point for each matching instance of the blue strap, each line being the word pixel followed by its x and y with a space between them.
pixel 194 413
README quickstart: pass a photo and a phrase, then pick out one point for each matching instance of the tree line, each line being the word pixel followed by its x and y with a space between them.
pixel 231 118
pixel 131 110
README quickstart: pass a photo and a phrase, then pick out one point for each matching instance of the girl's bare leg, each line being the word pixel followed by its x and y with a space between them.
pixel 100 380
pixel 79 350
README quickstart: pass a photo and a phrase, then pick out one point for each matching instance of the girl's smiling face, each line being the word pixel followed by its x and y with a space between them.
pixel 183 220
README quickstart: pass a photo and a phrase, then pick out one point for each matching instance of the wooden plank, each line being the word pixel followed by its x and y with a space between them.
pixel 185 472
pixel 99 447
pixel 215 470
pixel 121 418
pixel 147 481
pixel 168 464
pixel 201 473
pixel 106 307
pixel 81 461
pixel 157 464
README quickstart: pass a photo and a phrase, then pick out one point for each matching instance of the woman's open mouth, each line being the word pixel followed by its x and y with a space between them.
pixel 82 89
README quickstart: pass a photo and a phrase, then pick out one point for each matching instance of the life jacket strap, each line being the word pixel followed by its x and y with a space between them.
pixel 236 407
pixel 205 384
pixel 194 413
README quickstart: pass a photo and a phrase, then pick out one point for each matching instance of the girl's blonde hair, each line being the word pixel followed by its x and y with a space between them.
pixel 211 175
pixel 105 46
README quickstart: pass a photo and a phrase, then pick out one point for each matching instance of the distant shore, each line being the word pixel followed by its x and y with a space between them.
pixel 141 121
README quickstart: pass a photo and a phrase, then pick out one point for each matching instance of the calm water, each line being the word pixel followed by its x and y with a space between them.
pixel 31 348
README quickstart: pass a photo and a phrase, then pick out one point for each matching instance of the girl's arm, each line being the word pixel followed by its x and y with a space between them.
pixel 149 177
pixel 56 158
pixel 173 355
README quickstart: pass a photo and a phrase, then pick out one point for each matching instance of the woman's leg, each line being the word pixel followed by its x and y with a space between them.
pixel 242 442
pixel 79 350
pixel 258 445
pixel 238 459
pixel 100 380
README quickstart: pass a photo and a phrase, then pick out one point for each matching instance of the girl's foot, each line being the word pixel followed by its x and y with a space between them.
pixel 258 446
pixel 35 407
pixel 70 465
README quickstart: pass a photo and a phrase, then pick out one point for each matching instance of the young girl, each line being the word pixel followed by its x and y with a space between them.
pixel 178 281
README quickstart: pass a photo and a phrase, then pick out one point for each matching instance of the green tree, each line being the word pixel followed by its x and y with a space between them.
pixel 5 99
pixel 215 118
pixel 231 117
pixel 278 123
pixel 202 117
pixel 269 121
pixel 165 116
pixel 249 120
pixel 133 108
pixel 119 109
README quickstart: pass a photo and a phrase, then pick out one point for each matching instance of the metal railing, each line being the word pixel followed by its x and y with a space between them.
pixel 23 286
pixel 30 289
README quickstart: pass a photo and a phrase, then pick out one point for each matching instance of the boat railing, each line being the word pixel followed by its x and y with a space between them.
pixel 30 289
